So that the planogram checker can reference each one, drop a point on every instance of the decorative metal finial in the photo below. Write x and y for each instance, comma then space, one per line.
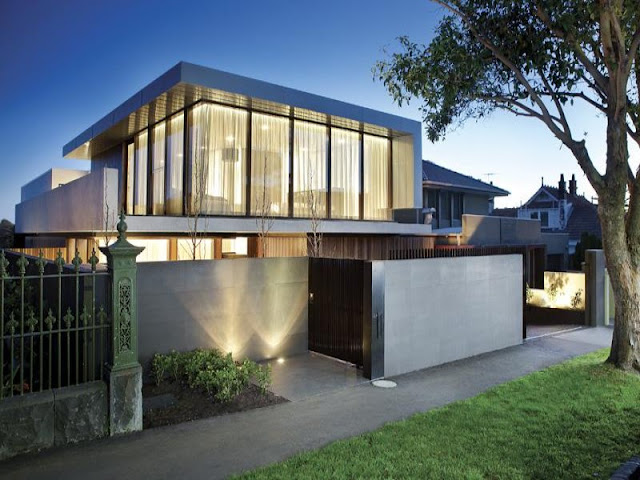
77, 261
59, 262
122, 226
93, 260
40, 262
22, 263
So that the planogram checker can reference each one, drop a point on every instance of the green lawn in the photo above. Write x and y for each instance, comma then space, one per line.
580, 419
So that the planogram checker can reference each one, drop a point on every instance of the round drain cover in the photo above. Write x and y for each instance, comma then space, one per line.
384, 384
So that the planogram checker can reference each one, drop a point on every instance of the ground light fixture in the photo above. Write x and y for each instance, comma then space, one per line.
382, 383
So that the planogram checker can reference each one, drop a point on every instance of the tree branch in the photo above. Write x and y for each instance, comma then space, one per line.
598, 77
578, 148
556, 101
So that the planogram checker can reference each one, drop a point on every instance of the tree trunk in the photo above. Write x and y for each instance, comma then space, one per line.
622, 252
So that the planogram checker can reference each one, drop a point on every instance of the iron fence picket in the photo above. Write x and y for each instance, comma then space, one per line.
33, 339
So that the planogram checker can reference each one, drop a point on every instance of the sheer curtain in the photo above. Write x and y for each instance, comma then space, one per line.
140, 205
402, 153
131, 165
269, 165
345, 173
376, 178
175, 164
309, 168
218, 163
157, 161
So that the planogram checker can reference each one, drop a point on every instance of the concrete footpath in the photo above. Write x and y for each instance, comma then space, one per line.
218, 447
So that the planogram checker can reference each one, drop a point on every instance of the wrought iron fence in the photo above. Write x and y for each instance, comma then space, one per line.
55, 321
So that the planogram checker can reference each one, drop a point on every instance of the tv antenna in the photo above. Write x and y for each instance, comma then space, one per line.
489, 175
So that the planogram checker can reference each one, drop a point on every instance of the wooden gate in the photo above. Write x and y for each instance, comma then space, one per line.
337, 307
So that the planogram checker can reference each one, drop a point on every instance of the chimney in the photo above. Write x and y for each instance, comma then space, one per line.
562, 186
573, 186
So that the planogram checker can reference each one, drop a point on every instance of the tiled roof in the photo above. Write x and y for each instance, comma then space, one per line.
584, 215
436, 175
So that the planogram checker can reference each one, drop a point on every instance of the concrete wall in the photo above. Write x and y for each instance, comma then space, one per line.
77, 206
254, 307
487, 230
49, 180
445, 309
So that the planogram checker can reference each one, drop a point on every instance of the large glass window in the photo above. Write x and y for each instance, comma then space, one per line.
140, 203
218, 160
376, 178
345, 173
157, 172
131, 164
309, 169
402, 161
269, 165
175, 164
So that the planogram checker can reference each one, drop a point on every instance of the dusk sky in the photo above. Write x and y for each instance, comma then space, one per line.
65, 64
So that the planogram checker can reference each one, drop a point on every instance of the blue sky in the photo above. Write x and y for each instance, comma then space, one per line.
65, 64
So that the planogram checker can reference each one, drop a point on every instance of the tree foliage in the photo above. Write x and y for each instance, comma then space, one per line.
536, 58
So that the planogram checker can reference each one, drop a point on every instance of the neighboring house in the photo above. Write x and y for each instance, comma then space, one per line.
560, 211
453, 194
237, 141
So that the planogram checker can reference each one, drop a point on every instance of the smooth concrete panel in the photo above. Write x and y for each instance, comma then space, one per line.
252, 307
488, 230
78, 206
445, 309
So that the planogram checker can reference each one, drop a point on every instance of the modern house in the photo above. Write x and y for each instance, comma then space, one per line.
453, 194
230, 150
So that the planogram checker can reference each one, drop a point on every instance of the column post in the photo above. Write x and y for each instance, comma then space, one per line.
125, 372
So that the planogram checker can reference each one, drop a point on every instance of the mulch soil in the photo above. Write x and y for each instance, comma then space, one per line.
193, 404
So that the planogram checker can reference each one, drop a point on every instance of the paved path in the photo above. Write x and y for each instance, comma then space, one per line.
217, 447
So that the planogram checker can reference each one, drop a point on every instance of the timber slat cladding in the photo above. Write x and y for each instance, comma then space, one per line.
336, 308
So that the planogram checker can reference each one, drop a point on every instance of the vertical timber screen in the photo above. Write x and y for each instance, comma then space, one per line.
54, 323
337, 307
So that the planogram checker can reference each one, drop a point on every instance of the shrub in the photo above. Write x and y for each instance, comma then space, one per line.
211, 371
159, 364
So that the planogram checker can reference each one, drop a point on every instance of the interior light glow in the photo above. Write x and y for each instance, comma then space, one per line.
264, 127
229, 138
280, 360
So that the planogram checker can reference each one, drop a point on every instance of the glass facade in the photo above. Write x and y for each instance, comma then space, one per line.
376, 178
310, 169
218, 139
269, 165
345, 174
175, 164
157, 172
241, 162
140, 188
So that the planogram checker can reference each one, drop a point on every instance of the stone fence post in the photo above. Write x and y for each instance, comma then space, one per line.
125, 372
594, 283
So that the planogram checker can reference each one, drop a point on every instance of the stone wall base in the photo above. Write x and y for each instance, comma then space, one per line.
125, 400
56, 417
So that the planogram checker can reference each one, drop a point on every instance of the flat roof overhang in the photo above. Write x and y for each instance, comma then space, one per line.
186, 84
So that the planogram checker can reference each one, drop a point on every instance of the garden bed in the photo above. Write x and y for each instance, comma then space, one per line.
193, 404
203, 383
